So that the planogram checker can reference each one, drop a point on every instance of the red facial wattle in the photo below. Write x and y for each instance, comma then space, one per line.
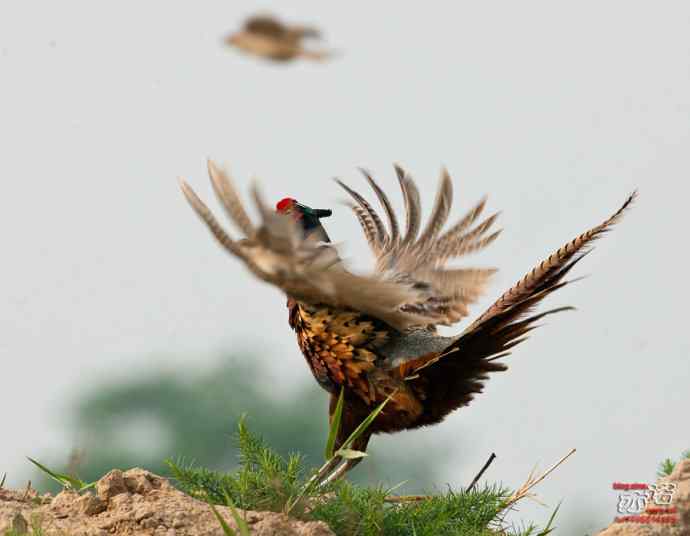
286, 205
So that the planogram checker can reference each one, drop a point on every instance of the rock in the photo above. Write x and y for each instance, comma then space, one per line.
179, 520
64, 500
140, 481
90, 505
122, 502
111, 485
142, 513
150, 522
112, 521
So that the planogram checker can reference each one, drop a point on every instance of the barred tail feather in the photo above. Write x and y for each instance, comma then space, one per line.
550, 267
451, 379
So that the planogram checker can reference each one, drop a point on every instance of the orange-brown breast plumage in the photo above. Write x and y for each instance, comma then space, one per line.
342, 348
339, 346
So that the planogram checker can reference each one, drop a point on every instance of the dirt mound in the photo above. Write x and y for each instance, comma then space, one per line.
134, 502
681, 500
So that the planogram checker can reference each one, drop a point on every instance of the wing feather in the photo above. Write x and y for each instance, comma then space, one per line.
228, 197
439, 215
420, 261
464, 223
381, 236
413, 206
367, 225
385, 202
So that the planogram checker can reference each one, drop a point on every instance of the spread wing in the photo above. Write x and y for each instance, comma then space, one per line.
276, 252
410, 289
418, 256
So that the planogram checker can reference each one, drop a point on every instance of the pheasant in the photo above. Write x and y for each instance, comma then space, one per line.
374, 335
267, 37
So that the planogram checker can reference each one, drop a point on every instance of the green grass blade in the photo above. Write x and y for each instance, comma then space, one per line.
344, 452
367, 422
64, 480
549, 529
335, 425
87, 486
2, 482
47, 471
241, 523
224, 524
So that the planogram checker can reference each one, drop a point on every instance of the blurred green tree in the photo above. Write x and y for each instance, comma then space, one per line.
144, 420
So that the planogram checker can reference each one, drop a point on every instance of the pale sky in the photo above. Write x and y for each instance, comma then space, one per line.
557, 110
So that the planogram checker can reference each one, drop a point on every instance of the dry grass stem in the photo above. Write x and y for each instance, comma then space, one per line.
524, 490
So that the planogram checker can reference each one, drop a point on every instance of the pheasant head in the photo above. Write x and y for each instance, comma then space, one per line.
309, 218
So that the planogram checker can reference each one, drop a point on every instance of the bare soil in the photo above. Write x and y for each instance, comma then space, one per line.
134, 502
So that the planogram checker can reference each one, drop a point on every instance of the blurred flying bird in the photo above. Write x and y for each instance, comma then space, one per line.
269, 38
375, 335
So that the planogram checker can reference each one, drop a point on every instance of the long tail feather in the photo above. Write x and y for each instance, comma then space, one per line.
451, 378
552, 265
